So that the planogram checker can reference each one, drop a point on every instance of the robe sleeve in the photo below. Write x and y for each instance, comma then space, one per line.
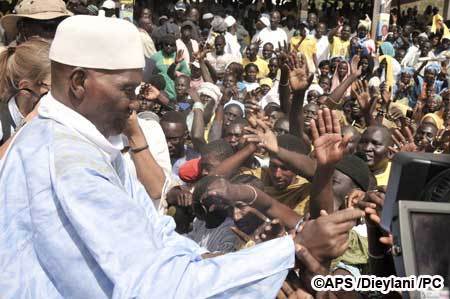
142, 255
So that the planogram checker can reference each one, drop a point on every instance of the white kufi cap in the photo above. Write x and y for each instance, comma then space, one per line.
230, 21
98, 43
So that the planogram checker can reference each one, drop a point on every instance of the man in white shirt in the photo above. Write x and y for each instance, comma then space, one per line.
274, 34
323, 45
232, 45
219, 59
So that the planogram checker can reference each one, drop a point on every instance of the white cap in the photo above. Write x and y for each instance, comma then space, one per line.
207, 16
109, 4
98, 43
230, 21
265, 20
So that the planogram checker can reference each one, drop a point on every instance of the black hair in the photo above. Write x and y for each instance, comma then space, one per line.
271, 107
174, 117
219, 148
324, 63
220, 36
250, 65
237, 69
202, 186
183, 76
248, 179
323, 77
385, 131
293, 143
281, 119
167, 39
234, 105
157, 81
240, 121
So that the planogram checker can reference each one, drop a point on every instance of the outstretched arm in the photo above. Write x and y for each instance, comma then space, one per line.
329, 146
303, 164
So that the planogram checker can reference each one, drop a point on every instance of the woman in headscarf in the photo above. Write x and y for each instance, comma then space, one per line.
403, 90
340, 74
389, 67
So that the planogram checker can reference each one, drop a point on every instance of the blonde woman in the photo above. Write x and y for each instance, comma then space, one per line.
24, 78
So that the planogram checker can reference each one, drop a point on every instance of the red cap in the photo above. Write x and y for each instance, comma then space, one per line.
190, 171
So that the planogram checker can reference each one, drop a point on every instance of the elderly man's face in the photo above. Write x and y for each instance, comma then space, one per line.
109, 98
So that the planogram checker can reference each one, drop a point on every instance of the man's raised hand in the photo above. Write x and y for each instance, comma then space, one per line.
329, 145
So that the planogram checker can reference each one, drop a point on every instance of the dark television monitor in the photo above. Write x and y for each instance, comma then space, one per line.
422, 237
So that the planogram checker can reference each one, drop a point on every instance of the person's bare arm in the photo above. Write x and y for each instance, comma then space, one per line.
299, 81
332, 33
149, 173
262, 202
330, 147
302, 164
198, 124
215, 133
230, 165
212, 71
284, 90
201, 55
380, 260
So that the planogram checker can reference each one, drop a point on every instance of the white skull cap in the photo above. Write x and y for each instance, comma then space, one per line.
98, 43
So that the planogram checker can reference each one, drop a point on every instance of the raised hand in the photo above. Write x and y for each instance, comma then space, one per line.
386, 93
372, 205
299, 78
149, 92
355, 68
132, 127
179, 57
269, 230
264, 137
327, 236
361, 92
203, 50
404, 141
329, 145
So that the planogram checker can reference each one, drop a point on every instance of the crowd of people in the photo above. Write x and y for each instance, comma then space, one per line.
208, 150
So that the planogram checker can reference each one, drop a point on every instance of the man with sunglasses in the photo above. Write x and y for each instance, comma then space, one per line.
34, 18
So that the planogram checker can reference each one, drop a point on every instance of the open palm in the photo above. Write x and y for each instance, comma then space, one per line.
299, 78
329, 145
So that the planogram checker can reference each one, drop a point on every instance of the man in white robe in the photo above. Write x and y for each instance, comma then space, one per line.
74, 223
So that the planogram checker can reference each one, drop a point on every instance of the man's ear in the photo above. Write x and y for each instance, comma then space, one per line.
77, 87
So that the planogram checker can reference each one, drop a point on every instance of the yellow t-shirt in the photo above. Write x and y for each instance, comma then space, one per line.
339, 47
383, 178
308, 47
262, 65
295, 196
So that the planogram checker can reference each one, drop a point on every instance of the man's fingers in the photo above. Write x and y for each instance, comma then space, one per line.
287, 289
321, 123
343, 227
314, 132
328, 121
346, 215
335, 122
375, 198
262, 124
241, 235
251, 130
305, 257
